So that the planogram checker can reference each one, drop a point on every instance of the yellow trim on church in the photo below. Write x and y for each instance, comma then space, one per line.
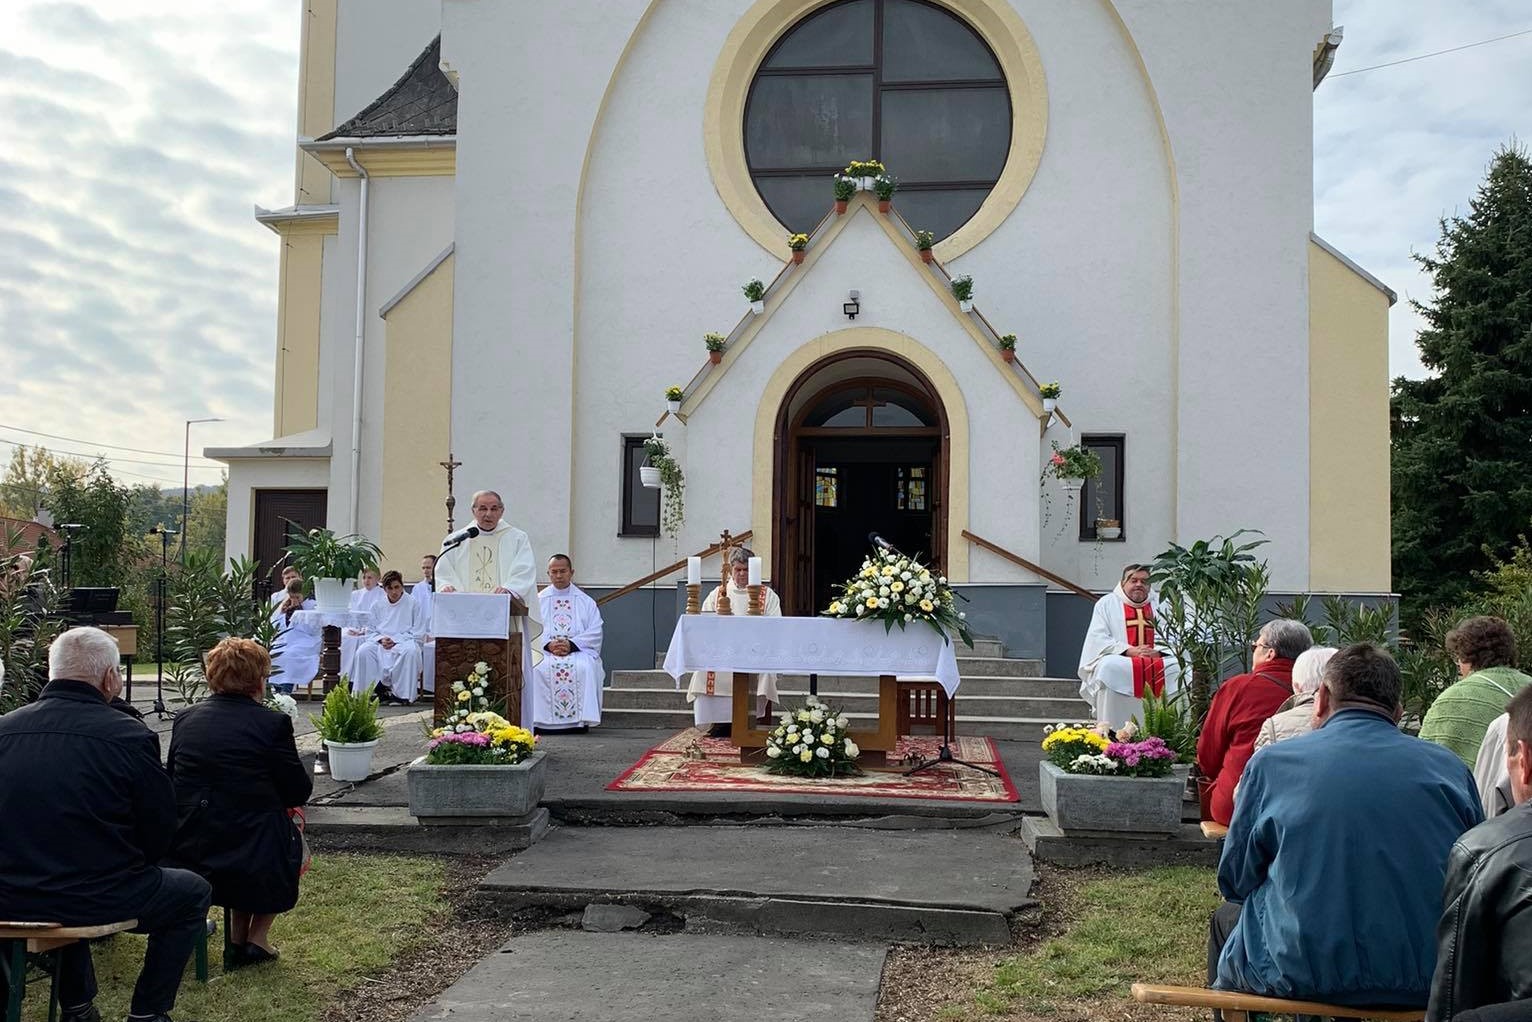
942, 381
768, 20
435, 157
417, 374
316, 97
1349, 505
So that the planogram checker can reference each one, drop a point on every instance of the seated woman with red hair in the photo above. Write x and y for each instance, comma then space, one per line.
237, 773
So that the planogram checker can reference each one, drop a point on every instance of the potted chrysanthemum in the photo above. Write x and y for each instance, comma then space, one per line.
845, 187
923, 242
797, 242
1092, 779
755, 294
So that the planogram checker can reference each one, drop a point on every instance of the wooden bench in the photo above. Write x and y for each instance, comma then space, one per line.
1216, 831
1237, 1005
18, 940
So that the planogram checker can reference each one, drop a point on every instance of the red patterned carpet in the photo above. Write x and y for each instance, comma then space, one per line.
674, 765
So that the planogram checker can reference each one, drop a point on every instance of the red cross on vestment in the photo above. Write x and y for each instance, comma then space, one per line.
1148, 671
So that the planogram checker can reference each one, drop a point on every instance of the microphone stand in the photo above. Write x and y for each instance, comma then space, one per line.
159, 619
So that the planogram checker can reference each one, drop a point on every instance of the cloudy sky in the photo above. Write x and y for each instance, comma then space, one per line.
136, 291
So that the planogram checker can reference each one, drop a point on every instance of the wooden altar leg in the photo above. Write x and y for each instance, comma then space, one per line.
329, 658
747, 734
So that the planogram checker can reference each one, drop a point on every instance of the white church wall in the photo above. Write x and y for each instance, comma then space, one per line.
375, 41
1233, 81
532, 78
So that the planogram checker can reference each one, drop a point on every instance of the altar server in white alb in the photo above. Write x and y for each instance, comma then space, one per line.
498, 560
295, 648
1120, 660
366, 598
711, 693
422, 591
389, 656
566, 686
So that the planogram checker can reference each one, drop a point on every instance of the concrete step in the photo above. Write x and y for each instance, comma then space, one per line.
1009, 667
830, 685
1029, 707
1015, 729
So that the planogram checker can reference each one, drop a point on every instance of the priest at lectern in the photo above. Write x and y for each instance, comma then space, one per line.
495, 558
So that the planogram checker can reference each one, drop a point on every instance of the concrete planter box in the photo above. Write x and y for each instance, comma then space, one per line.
459, 792
1087, 802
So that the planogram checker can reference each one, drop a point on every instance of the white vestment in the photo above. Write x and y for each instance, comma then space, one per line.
294, 649
711, 693
399, 667
1491, 773
364, 600
422, 593
566, 690
1106, 676
500, 559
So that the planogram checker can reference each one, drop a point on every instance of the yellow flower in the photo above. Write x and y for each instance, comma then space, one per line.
896, 586
464, 696
872, 602
888, 571
806, 755
927, 606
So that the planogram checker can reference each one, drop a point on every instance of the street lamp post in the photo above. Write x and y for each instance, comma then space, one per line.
186, 485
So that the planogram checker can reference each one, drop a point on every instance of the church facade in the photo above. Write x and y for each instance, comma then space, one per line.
514, 223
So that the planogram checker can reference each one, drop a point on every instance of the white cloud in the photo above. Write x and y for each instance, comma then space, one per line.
1397, 149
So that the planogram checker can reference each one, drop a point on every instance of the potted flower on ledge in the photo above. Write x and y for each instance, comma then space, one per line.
715, 345
865, 173
962, 290
845, 187
1050, 394
350, 729
1108, 528
1008, 347
755, 294
885, 185
1073, 465
923, 242
797, 242
332, 563
673, 397
1093, 780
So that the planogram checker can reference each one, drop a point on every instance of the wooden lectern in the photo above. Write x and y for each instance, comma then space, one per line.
474, 627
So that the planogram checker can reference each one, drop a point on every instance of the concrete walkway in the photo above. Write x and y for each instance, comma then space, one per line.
569, 975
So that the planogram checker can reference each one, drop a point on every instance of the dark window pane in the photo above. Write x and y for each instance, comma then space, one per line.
1101, 497
940, 211
898, 409
809, 121
837, 36
946, 134
924, 44
797, 202
641, 505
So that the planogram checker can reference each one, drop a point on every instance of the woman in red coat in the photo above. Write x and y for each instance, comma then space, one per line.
1241, 705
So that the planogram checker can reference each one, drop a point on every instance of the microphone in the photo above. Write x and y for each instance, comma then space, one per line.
881, 543
459, 537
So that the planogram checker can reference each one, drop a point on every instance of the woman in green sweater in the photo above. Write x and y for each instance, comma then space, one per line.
1485, 651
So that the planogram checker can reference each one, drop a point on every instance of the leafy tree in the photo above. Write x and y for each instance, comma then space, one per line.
28, 477
99, 553
1462, 439
209, 517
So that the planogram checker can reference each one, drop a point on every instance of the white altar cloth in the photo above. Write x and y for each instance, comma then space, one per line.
470, 615
809, 645
314, 620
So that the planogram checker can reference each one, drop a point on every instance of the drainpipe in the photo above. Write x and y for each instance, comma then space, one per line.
361, 329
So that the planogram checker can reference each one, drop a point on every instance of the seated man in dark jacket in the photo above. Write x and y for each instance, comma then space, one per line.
1484, 939
87, 811
1337, 850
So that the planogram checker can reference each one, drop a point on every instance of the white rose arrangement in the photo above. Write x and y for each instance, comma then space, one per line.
812, 742
899, 590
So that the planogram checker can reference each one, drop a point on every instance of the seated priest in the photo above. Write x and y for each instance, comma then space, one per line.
422, 591
497, 560
363, 598
566, 686
389, 657
1120, 661
294, 649
711, 693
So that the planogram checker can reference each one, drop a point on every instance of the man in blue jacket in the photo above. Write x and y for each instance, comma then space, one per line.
1335, 856
86, 810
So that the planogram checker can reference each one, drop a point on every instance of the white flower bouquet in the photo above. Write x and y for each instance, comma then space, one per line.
281, 702
899, 590
812, 742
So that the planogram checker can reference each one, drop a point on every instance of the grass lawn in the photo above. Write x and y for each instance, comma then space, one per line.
355, 914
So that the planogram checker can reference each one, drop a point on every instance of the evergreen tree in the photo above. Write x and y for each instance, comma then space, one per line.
1462, 439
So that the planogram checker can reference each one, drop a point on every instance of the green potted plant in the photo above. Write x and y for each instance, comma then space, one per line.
885, 185
673, 397
845, 187
755, 294
865, 172
797, 242
655, 450
962, 290
1074, 465
923, 242
715, 345
332, 563
350, 729
1008, 347
1050, 394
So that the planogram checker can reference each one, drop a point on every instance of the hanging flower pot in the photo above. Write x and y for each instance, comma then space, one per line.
1072, 483
649, 476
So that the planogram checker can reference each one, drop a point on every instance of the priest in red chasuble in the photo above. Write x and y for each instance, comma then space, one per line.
1121, 660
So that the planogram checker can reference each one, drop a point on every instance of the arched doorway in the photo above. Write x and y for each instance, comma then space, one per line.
861, 446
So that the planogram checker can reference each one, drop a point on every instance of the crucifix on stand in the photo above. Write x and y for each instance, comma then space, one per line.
725, 541
450, 465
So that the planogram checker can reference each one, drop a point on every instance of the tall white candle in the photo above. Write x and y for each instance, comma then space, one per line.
755, 571
694, 571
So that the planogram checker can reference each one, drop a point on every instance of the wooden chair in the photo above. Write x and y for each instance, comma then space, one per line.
925, 702
41, 942
1237, 1005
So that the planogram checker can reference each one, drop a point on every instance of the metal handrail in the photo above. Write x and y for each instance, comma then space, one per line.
1036, 569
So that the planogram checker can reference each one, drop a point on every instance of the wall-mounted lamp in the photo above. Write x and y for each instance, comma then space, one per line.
854, 306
